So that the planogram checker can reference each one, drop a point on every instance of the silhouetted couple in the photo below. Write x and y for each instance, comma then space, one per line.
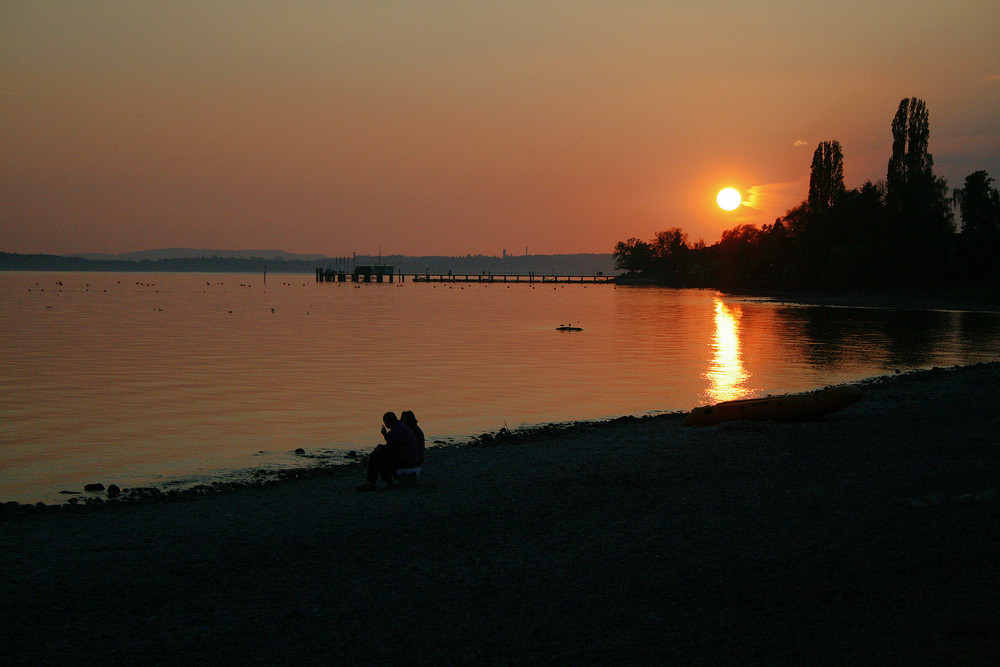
403, 449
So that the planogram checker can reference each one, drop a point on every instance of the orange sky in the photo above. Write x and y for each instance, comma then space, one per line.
461, 127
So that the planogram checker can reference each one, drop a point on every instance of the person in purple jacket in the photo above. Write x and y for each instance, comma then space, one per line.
399, 451
410, 420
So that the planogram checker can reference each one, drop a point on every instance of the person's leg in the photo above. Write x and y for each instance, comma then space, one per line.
377, 462
388, 470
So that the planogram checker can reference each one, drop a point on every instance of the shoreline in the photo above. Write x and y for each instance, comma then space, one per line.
112, 495
106, 497
867, 536
969, 299
976, 300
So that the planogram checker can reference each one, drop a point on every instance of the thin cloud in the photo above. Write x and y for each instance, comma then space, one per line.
992, 77
773, 199
800, 142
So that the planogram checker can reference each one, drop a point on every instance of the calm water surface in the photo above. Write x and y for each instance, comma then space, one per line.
169, 378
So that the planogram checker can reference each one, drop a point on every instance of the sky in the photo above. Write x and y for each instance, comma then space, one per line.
454, 128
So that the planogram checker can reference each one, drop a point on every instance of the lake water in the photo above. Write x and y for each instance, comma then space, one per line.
139, 379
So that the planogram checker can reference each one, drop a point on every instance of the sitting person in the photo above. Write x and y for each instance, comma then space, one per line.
410, 420
399, 451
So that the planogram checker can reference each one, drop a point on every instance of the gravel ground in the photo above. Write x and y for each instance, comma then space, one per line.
871, 536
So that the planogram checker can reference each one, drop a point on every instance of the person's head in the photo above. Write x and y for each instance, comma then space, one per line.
389, 419
408, 418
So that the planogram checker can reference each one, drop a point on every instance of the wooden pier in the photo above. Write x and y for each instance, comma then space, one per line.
508, 278
360, 274
378, 274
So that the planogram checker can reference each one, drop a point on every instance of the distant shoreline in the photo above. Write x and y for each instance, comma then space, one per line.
246, 262
977, 299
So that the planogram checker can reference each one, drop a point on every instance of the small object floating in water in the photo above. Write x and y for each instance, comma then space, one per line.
568, 327
790, 407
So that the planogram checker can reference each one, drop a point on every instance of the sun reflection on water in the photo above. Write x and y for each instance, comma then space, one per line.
726, 375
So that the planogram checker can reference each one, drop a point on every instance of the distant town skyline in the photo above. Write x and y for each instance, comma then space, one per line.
462, 128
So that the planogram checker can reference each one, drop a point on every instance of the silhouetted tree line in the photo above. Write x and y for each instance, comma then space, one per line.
897, 232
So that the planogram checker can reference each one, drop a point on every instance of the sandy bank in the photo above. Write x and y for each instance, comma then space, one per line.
866, 537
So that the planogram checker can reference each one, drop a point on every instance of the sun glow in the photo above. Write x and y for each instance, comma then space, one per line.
729, 199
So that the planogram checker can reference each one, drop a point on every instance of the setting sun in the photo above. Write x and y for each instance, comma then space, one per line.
728, 199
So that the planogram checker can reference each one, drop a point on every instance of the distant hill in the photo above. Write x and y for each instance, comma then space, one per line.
276, 261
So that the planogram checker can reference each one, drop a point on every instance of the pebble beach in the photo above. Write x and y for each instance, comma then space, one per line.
869, 536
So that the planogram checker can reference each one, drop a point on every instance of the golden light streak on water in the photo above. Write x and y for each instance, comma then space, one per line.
726, 374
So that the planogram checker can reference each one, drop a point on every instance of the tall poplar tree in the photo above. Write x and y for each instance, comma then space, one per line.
826, 179
920, 235
911, 166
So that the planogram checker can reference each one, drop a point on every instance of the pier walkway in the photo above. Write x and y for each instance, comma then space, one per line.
380, 274
508, 278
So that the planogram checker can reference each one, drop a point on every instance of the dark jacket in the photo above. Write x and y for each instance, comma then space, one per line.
420, 443
402, 443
